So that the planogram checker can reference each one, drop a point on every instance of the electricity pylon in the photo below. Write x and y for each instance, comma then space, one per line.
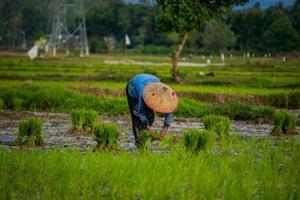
68, 31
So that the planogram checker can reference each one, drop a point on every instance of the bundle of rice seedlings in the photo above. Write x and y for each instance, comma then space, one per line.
83, 120
90, 119
195, 140
284, 123
17, 104
289, 125
106, 135
169, 141
145, 138
217, 124
30, 132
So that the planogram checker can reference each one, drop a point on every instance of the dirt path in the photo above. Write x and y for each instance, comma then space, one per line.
57, 125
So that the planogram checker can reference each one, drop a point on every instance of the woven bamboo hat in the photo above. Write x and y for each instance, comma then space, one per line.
160, 98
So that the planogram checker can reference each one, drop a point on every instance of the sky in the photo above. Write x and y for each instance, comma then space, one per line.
263, 3
267, 3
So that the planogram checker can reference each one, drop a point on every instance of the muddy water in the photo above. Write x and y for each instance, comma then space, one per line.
57, 125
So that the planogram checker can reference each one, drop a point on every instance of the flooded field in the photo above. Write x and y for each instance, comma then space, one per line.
56, 128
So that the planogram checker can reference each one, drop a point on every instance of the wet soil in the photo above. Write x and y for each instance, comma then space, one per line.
57, 126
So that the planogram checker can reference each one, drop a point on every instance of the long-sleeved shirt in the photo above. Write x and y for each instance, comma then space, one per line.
135, 89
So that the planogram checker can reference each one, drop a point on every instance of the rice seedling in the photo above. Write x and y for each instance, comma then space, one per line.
17, 104
284, 123
195, 140
253, 169
144, 139
30, 132
1, 104
83, 120
278, 122
170, 140
217, 124
106, 136
289, 125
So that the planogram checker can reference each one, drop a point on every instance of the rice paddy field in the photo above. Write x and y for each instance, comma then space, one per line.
255, 159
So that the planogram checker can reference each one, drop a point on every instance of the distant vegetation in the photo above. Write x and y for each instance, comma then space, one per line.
274, 30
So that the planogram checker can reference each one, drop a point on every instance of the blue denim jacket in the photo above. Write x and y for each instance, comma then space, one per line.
135, 89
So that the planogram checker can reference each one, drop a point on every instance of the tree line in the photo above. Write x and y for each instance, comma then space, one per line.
274, 30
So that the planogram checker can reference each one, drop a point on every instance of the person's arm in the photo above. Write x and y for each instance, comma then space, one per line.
141, 112
167, 123
168, 119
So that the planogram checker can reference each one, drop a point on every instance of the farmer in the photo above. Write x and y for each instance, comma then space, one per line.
146, 95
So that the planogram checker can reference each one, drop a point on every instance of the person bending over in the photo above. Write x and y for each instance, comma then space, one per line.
146, 95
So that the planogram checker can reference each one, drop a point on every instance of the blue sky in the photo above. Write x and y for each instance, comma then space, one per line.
264, 3
267, 3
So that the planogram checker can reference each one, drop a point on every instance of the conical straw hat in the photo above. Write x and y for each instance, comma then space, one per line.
160, 98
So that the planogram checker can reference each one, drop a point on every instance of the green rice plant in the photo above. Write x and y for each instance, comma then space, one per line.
217, 124
90, 119
195, 140
278, 122
144, 139
106, 136
289, 125
30, 132
1, 104
77, 119
83, 120
170, 140
284, 123
17, 104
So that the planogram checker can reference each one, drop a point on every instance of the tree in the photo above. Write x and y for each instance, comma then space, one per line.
217, 36
183, 16
281, 36
295, 16
249, 27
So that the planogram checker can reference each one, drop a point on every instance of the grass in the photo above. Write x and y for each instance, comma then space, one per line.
252, 169
30, 132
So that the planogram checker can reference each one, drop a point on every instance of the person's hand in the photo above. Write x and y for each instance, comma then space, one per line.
163, 133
